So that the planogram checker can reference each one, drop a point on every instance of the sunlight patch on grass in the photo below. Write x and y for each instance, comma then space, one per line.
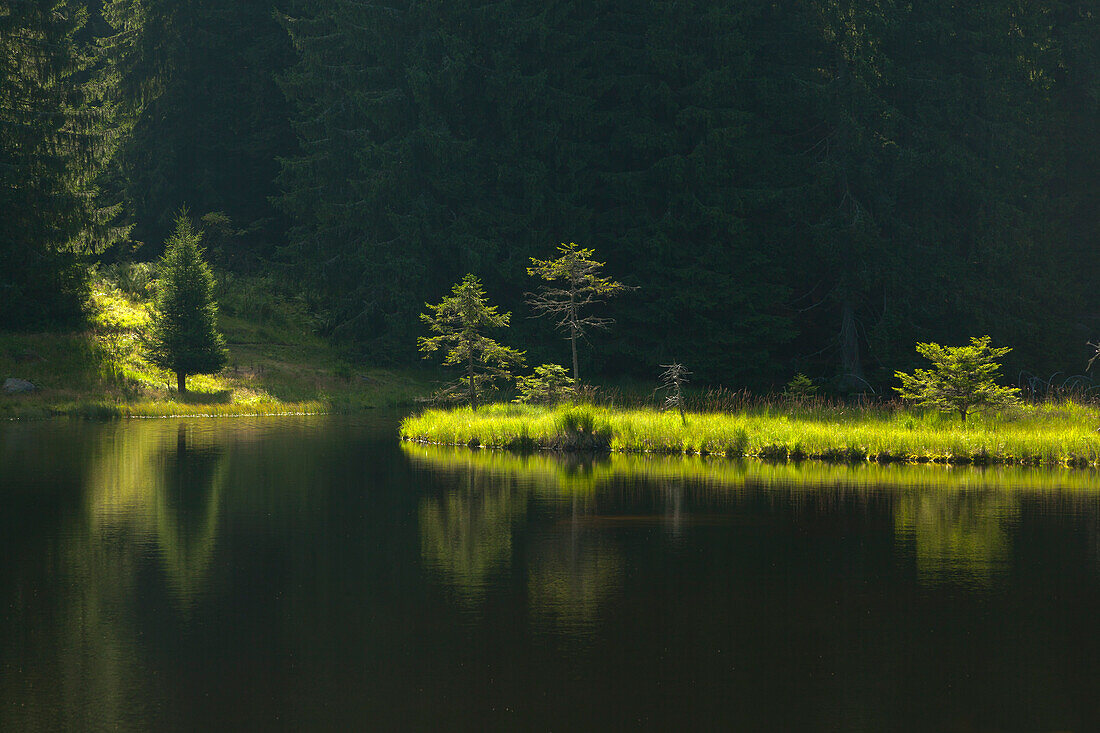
276, 367
1050, 434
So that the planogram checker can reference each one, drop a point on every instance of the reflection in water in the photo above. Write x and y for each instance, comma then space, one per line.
568, 474
957, 537
161, 487
149, 491
140, 544
96, 650
466, 535
571, 573
565, 473
955, 524
312, 574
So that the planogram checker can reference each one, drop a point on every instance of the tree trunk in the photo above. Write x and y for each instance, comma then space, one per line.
962, 413
181, 383
470, 377
576, 369
851, 377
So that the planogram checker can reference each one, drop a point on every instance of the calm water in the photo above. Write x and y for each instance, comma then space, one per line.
313, 573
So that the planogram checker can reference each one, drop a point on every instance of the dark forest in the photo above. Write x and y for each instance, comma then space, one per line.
806, 186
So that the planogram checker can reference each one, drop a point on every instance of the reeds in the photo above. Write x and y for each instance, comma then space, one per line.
1048, 434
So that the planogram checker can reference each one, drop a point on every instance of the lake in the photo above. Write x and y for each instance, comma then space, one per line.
313, 573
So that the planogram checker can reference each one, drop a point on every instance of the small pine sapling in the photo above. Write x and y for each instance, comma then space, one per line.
960, 380
550, 384
800, 388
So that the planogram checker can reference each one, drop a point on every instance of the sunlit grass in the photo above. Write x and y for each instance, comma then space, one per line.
276, 367
1048, 434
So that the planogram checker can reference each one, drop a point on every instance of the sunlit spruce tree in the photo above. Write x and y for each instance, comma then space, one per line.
185, 338
960, 380
459, 322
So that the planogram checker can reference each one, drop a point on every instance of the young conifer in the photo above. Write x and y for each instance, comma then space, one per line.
960, 380
185, 338
459, 323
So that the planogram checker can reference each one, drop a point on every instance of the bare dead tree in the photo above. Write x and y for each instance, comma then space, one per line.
673, 379
573, 285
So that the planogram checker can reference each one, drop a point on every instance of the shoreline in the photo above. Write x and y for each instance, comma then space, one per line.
277, 366
777, 457
1042, 435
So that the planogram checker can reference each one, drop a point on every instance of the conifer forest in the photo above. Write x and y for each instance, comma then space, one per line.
802, 186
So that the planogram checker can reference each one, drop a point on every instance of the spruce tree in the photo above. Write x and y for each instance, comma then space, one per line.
960, 380
185, 338
57, 134
458, 322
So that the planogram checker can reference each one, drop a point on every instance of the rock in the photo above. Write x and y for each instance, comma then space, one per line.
18, 386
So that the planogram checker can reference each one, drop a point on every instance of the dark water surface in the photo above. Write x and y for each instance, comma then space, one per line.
313, 573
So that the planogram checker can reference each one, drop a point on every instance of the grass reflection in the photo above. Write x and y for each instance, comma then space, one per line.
959, 537
954, 524
568, 475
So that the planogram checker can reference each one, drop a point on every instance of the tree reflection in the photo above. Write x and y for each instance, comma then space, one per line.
571, 574
957, 524
151, 488
957, 537
162, 485
187, 508
466, 534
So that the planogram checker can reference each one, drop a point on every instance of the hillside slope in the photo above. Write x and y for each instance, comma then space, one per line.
276, 364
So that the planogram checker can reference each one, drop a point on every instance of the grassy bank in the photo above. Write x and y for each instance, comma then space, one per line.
276, 364
1050, 434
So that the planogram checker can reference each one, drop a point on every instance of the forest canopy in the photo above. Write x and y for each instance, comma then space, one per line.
803, 187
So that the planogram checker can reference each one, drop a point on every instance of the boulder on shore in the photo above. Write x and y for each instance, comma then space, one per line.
12, 385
